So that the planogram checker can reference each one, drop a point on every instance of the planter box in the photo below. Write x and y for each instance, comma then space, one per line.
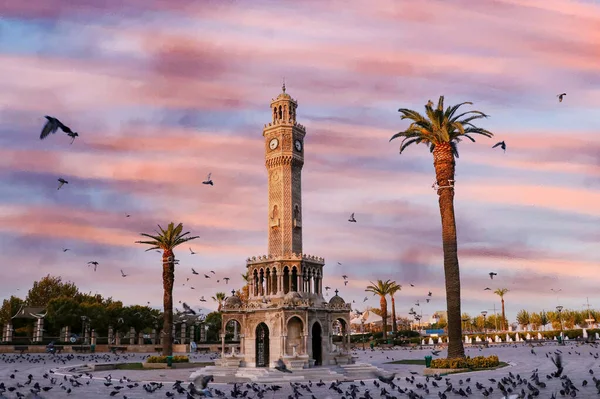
155, 365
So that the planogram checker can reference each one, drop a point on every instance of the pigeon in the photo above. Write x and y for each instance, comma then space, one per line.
53, 125
208, 180
492, 274
387, 380
352, 219
123, 274
560, 97
62, 182
93, 263
206, 276
193, 271
226, 280
280, 366
429, 293
501, 144
187, 309
192, 252
66, 249
487, 289
202, 299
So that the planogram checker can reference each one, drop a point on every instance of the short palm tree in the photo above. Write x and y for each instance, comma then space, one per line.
219, 298
381, 288
441, 130
501, 292
394, 287
167, 240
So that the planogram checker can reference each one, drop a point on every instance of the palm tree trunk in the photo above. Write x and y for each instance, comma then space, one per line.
394, 325
168, 282
383, 306
443, 161
504, 322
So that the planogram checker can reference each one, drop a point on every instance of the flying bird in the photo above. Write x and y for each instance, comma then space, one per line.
62, 182
226, 280
202, 299
352, 219
208, 180
280, 365
193, 271
188, 309
429, 293
206, 276
501, 144
123, 274
492, 274
487, 289
93, 263
66, 249
53, 125
192, 252
213, 272
560, 97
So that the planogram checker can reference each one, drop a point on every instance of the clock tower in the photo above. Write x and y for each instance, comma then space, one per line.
284, 155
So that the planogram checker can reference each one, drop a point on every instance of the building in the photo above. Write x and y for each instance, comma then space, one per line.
286, 316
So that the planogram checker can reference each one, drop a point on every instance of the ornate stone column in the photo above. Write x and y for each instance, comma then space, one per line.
222, 345
140, 338
280, 283
93, 337
192, 331
173, 336
117, 338
39, 328
67, 333
284, 344
110, 335
86, 334
242, 344
153, 336
305, 344
9, 332
131, 336
183, 336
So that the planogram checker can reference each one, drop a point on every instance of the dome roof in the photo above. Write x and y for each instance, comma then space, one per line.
233, 301
337, 301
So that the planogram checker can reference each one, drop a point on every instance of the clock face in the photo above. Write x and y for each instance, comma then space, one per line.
298, 145
273, 144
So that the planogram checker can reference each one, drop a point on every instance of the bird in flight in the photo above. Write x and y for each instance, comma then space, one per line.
62, 182
487, 289
192, 252
226, 280
352, 219
427, 300
327, 288
429, 293
202, 299
412, 285
213, 272
193, 271
208, 180
66, 249
53, 125
187, 308
560, 97
501, 144
127, 216
206, 276
123, 274
492, 274
94, 263
366, 299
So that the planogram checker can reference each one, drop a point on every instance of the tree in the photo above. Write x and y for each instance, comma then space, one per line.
213, 320
544, 319
501, 292
535, 320
394, 287
47, 288
9, 308
167, 240
523, 318
219, 298
441, 131
382, 288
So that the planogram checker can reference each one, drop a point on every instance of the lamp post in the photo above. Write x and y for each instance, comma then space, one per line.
484, 314
559, 310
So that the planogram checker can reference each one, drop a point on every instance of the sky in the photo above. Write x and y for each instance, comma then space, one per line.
163, 92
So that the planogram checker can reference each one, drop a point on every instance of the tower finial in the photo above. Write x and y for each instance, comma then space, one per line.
283, 86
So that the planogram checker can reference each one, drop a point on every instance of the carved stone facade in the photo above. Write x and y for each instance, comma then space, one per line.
286, 316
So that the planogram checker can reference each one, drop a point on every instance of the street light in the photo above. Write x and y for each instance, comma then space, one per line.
559, 310
484, 314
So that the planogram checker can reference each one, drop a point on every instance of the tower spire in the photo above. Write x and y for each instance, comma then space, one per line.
283, 86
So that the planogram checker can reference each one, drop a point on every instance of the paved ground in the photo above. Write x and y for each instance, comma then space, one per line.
577, 361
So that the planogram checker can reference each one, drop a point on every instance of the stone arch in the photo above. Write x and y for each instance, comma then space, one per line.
295, 331
255, 282
280, 112
345, 332
294, 279
286, 279
274, 114
232, 328
262, 344
316, 338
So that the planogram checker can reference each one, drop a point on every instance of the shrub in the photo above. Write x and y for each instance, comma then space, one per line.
479, 362
163, 359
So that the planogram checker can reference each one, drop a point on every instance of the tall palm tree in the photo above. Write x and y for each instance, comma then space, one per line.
394, 287
167, 240
500, 292
441, 130
382, 288
219, 298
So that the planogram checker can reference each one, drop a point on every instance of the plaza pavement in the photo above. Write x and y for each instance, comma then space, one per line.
577, 361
